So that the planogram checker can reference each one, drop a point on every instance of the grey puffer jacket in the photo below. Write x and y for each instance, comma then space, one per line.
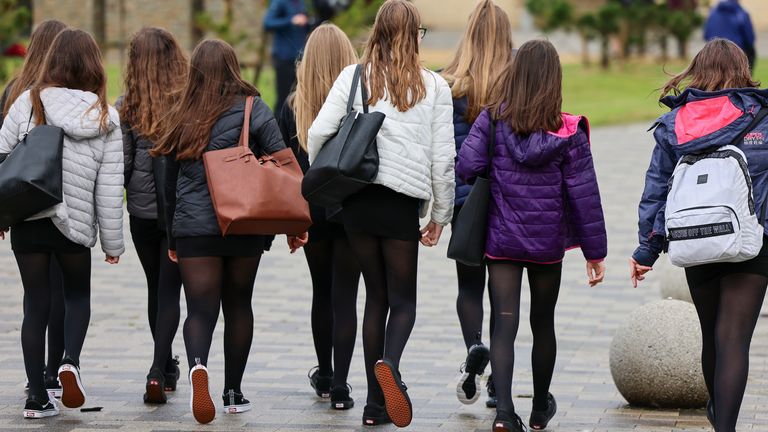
92, 162
188, 207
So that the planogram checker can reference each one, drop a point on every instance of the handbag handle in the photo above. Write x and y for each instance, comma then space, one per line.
245, 133
358, 80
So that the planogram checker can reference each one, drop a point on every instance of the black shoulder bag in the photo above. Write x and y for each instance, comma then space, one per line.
350, 160
468, 237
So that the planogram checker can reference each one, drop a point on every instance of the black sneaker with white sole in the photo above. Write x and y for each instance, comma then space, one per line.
37, 408
340, 399
53, 386
491, 388
468, 388
72, 392
320, 382
235, 403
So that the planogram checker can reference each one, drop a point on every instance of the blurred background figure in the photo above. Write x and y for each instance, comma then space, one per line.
289, 21
729, 20
327, 9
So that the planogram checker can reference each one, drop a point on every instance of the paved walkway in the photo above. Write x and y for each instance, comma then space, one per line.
117, 350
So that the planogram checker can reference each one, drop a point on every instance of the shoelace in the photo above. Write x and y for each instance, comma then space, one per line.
519, 421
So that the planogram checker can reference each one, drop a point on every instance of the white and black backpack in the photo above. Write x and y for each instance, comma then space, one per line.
710, 214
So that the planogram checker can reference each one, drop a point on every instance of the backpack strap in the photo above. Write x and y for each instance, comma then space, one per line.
752, 125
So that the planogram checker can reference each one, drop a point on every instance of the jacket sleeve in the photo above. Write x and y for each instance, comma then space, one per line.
652, 231
748, 32
264, 130
109, 196
443, 156
17, 117
129, 145
583, 196
276, 17
172, 167
332, 113
473, 154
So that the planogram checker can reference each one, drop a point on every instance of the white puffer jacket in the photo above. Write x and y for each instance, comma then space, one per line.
416, 148
92, 161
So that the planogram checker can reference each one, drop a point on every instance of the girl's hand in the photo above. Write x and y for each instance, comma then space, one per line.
595, 272
430, 234
297, 242
172, 256
112, 260
2, 233
637, 272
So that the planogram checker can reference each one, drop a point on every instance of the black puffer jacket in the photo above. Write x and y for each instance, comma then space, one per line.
140, 169
188, 200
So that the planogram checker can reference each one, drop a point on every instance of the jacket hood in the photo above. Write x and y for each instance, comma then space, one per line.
540, 147
728, 6
74, 112
700, 121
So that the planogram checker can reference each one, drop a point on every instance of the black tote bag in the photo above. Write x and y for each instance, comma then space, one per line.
31, 175
350, 160
468, 238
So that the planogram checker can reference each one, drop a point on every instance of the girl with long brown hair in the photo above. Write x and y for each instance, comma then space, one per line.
70, 93
713, 102
332, 264
39, 42
217, 271
416, 152
484, 53
541, 160
154, 80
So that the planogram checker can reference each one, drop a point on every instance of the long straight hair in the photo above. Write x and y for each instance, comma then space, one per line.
73, 62
213, 86
529, 97
154, 80
41, 39
327, 52
391, 56
721, 64
484, 51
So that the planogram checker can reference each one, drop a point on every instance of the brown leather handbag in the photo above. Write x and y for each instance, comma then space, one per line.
256, 195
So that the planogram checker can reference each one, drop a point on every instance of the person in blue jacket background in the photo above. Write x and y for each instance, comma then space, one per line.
728, 20
288, 20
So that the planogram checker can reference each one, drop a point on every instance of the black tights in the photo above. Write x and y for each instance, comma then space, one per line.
505, 286
469, 304
728, 310
163, 292
55, 321
389, 269
335, 278
210, 283
36, 278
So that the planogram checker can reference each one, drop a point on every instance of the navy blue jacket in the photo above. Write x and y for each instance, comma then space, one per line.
728, 20
700, 121
461, 131
289, 39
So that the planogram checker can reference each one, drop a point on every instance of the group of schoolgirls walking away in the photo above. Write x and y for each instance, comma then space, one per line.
491, 119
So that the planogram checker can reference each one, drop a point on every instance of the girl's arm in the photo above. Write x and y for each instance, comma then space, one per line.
266, 137
328, 121
109, 196
17, 118
473, 155
443, 156
172, 167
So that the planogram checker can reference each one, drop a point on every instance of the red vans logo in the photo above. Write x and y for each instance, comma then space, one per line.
754, 138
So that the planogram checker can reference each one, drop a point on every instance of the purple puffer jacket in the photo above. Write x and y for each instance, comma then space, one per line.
544, 194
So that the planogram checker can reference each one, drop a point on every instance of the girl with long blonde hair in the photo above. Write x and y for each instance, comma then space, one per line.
416, 152
154, 80
484, 54
332, 264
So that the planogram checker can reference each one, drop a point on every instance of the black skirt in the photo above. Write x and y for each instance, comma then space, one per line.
42, 236
218, 246
703, 274
378, 210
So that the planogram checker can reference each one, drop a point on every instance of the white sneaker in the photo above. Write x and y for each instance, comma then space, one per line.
72, 392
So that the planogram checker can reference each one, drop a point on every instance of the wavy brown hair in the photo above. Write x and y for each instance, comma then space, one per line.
39, 42
73, 62
154, 80
391, 56
327, 52
529, 97
721, 64
213, 86
484, 51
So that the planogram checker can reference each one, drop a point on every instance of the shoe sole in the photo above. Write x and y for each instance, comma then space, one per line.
236, 409
500, 427
36, 414
371, 421
343, 405
72, 393
467, 382
396, 400
203, 408
155, 394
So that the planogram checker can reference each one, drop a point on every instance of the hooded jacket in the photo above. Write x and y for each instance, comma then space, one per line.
728, 20
460, 131
544, 193
92, 163
700, 122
